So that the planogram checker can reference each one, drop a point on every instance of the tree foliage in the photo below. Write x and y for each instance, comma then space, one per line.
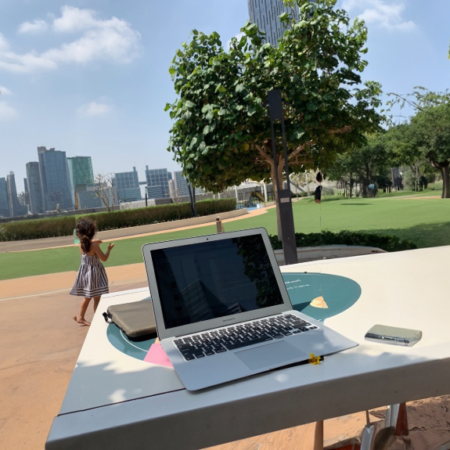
221, 129
427, 135
366, 164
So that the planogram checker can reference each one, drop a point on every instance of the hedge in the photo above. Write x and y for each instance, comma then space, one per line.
37, 229
156, 214
388, 243
64, 226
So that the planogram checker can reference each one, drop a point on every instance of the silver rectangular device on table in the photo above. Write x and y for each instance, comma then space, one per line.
223, 312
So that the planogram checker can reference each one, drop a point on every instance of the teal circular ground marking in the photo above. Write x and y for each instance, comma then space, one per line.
339, 293
119, 340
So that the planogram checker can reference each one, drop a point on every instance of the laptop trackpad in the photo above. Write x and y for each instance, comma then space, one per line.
271, 355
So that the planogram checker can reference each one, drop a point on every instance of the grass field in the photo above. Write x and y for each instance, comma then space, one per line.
426, 222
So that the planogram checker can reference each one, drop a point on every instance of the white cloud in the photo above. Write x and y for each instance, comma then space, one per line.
75, 19
94, 109
33, 27
108, 40
4, 46
7, 112
5, 91
379, 12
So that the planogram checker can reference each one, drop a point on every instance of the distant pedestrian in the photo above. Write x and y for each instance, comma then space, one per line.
91, 281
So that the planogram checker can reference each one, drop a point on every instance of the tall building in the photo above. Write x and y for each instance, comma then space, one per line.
55, 181
4, 205
127, 186
158, 182
81, 174
24, 197
15, 208
265, 13
181, 185
34, 188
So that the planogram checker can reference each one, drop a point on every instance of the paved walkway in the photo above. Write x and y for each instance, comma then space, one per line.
57, 283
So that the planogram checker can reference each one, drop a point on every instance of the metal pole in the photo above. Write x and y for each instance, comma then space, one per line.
286, 162
192, 201
284, 195
275, 163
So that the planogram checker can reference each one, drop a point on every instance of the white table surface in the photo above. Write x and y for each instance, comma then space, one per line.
120, 402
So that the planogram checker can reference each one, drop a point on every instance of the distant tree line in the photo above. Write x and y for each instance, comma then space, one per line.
412, 154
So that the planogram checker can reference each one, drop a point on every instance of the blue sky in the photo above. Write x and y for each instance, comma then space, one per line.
91, 77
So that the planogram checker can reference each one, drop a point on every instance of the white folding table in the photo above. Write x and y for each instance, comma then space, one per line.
115, 401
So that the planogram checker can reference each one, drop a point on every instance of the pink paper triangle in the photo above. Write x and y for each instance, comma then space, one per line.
156, 355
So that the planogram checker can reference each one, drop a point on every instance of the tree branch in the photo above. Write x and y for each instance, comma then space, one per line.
299, 149
264, 154
344, 130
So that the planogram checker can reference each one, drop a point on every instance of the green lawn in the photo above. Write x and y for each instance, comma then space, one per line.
425, 222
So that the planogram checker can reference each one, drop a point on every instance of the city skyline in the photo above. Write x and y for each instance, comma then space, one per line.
60, 182
106, 101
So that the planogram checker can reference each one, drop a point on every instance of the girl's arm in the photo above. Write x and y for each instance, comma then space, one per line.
99, 253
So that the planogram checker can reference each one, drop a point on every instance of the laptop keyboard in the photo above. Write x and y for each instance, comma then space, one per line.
242, 335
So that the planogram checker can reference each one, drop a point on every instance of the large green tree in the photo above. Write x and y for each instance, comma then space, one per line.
427, 135
366, 164
221, 131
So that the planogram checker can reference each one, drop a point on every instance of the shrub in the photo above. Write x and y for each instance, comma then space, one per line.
37, 229
388, 243
156, 214
64, 226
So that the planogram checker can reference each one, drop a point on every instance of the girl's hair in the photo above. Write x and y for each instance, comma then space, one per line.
86, 230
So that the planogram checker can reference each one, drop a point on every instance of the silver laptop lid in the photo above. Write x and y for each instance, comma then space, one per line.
207, 282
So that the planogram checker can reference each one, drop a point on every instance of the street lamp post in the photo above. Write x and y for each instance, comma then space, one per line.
284, 195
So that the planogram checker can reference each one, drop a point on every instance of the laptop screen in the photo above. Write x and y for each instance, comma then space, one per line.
214, 279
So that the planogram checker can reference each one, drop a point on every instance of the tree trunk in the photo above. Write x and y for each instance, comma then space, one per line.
445, 181
275, 192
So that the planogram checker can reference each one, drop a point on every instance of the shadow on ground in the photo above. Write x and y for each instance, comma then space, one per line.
423, 235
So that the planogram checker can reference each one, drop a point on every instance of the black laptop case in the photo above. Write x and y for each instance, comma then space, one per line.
136, 319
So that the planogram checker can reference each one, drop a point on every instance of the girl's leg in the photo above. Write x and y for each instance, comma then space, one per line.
83, 308
96, 302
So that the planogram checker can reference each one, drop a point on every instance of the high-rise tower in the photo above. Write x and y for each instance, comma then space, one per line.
15, 208
158, 182
127, 185
4, 205
55, 180
181, 185
34, 188
265, 14
81, 174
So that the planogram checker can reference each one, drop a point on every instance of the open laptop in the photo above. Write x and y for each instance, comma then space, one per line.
223, 312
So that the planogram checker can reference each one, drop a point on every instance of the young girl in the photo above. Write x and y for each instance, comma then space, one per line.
91, 281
